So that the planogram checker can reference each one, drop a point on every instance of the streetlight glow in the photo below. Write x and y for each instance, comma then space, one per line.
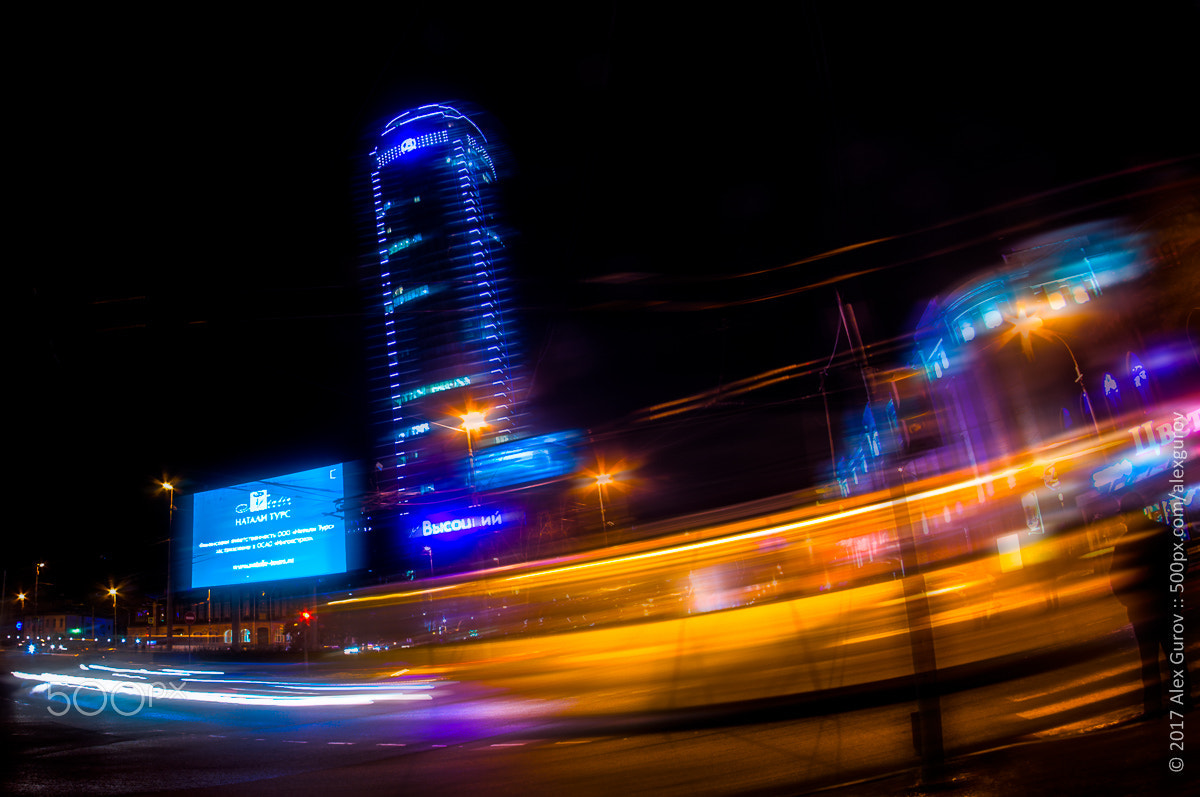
603, 479
1027, 325
112, 591
170, 488
473, 421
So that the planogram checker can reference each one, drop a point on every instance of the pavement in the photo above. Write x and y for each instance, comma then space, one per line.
1125, 755
1131, 757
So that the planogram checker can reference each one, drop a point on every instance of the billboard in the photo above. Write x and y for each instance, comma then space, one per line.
535, 459
284, 527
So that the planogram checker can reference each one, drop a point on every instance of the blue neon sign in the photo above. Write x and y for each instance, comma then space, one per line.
462, 522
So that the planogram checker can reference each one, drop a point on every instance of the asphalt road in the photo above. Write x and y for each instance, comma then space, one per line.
468, 739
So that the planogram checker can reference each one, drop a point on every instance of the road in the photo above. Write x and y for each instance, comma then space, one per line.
727, 659
471, 739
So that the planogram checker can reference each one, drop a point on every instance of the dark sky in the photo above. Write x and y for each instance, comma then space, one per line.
189, 256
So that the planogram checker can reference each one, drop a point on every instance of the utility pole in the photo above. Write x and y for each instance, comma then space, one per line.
927, 720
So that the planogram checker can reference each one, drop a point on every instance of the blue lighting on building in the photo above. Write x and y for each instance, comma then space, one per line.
535, 459
445, 347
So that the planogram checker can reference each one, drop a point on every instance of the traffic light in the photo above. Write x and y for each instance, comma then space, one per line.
305, 616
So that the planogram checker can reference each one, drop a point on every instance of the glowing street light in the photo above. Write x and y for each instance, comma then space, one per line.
602, 480
1027, 325
472, 421
112, 591
170, 488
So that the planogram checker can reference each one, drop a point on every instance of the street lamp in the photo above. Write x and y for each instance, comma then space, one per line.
472, 421
1026, 325
170, 488
602, 480
21, 626
37, 616
113, 592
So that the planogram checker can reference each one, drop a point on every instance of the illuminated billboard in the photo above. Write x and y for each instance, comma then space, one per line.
285, 527
453, 524
536, 459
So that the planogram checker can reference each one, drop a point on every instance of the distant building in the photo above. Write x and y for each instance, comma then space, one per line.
64, 627
1052, 344
444, 346
1060, 342
262, 617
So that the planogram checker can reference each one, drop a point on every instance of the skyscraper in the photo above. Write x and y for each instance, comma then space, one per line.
444, 348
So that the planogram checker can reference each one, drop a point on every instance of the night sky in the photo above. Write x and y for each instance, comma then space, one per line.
189, 228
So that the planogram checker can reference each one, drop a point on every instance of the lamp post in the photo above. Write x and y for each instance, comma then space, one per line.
21, 598
37, 616
1079, 380
113, 592
601, 481
472, 421
1025, 325
170, 488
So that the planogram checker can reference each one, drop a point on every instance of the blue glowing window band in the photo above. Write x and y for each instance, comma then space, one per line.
399, 297
403, 243
425, 390
417, 429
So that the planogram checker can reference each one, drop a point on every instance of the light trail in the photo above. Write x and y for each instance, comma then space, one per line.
362, 696
731, 539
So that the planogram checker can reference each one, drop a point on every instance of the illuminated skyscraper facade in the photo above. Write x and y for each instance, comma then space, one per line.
444, 349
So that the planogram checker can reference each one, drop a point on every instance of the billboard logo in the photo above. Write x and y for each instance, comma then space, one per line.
259, 500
